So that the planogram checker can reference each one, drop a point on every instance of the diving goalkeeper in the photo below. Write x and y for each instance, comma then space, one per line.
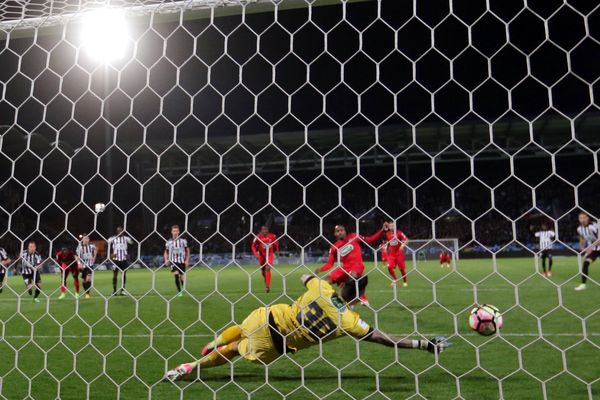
319, 315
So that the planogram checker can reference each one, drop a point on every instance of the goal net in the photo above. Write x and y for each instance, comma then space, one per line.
427, 249
471, 125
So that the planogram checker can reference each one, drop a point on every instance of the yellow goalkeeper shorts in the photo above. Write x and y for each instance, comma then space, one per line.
256, 344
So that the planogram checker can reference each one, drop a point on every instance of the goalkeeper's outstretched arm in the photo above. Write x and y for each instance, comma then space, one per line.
434, 345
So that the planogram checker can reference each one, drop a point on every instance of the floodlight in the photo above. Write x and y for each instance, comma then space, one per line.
105, 34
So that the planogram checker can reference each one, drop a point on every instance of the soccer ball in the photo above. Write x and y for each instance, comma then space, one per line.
99, 207
485, 319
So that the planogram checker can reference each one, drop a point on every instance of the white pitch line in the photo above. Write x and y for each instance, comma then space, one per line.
563, 334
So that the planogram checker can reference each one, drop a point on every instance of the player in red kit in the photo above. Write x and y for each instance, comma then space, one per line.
347, 252
264, 246
384, 252
395, 240
66, 260
444, 259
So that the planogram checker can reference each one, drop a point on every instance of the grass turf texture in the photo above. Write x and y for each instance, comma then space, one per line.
121, 347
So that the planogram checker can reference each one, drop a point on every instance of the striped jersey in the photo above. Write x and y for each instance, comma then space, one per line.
176, 249
546, 239
118, 247
86, 254
3, 254
29, 261
589, 234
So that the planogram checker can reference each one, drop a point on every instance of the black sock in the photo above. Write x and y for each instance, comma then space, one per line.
124, 278
550, 264
114, 283
86, 287
544, 263
37, 293
29, 291
178, 283
584, 272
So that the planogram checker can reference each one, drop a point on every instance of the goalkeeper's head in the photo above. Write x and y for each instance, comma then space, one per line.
354, 288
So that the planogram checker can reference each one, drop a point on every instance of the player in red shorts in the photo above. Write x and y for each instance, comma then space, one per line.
66, 260
264, 246
444, 259
396, 240
347, 252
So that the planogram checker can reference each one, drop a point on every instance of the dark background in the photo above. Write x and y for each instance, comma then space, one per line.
471, 123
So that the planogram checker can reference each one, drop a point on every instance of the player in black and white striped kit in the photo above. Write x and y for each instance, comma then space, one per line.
589, 243
4, 264
31, 263
86, 259
546, 237
117, 248
177, 255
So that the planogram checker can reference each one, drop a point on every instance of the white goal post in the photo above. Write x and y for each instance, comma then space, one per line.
429, 249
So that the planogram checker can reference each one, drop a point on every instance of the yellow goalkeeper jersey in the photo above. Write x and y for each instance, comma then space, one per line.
317, 315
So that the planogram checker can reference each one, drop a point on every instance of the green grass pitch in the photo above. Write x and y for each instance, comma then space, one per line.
121, 348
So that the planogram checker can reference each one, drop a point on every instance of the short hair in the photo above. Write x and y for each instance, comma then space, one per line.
175, 226
354, 288
30, 241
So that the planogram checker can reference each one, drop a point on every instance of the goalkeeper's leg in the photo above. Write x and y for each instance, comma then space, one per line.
215, 358
229, 335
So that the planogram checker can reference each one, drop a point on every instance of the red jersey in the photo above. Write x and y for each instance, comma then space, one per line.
65, 257
444, 257
349, 253
394, 243
262, 243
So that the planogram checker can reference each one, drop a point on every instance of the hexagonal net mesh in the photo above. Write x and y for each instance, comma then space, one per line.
469, 126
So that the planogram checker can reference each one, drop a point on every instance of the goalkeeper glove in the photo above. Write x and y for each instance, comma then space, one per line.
435, 345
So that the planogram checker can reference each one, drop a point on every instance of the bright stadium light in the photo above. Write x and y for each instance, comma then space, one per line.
105, 34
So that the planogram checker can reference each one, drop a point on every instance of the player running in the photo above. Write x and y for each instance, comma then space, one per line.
319, 315
445, 259
4, 264
118, 250
86, 259
546, 237
31, 263
177, 255
347, 252
396, 240
589, 243
66, 260
264, 245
